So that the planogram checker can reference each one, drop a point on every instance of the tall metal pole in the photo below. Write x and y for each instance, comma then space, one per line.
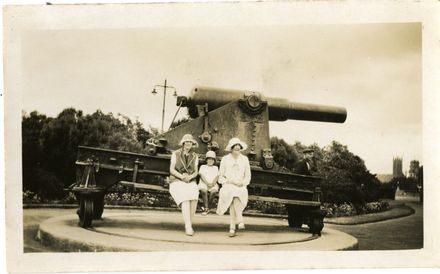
163, 107
165, 87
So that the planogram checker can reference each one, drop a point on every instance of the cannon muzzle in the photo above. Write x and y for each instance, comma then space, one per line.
280, 109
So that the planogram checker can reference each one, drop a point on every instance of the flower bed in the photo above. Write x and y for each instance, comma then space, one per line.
142, 199
30, 197
124, 196
348, 209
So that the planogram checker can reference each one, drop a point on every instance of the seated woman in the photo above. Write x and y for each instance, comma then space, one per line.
183, 187
234, 175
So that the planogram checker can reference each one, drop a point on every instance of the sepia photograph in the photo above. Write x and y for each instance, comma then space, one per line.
139, 134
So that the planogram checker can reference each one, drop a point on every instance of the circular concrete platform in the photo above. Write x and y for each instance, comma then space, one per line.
164, 231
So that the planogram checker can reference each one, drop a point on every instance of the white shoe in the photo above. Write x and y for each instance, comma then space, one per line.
232, 233
189, 231
241, 226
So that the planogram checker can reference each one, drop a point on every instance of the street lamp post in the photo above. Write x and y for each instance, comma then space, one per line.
165, 87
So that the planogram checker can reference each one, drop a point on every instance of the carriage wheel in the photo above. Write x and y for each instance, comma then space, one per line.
86, 211
295, 217
316, 225
98, 206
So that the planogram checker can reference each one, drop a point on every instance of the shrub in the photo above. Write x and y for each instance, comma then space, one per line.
31, 197
385, 205
374, 207
348, 209
266, 207
387, 191
44, 183
340, 210
142, 199
70, 198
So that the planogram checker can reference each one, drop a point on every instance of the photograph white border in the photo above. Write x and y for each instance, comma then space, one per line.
20, 18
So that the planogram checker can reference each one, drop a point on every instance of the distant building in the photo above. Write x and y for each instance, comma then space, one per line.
414, 168
397, 167
384, 178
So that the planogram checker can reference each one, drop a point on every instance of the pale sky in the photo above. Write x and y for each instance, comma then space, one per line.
373, 70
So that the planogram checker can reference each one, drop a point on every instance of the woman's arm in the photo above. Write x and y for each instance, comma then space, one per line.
247, 172
196, 169
173, 170
215, 180
221, 174
244, 163
203, 179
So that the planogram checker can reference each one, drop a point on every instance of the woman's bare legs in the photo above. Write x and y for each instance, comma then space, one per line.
211, 198
238, 212
193, 206
232, 220
186, 214
205, 198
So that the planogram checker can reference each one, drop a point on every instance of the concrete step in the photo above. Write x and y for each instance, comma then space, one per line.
164, 231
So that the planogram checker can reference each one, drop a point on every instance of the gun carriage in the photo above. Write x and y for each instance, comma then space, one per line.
218, 115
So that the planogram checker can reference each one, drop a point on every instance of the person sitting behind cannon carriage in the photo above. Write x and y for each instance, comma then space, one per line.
304, 165
208, 181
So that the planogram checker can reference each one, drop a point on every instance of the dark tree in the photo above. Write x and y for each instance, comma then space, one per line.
36, 177
50, 145
31, 127
346, 177
180, 121
142, 135
59, 139
283, 154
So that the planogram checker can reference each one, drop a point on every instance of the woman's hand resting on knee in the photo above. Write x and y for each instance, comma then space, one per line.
236, 182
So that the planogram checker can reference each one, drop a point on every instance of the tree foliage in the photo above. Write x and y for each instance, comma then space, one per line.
284, 155
420, 177
31, 129
406, 183
346, 178
50, 145
180, 121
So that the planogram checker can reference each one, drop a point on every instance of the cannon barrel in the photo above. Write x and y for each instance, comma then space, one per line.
280, 109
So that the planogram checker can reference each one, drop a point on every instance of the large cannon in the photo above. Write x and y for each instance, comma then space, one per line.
218, 115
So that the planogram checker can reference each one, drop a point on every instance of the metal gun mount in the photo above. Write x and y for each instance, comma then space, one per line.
218, 115
221, 114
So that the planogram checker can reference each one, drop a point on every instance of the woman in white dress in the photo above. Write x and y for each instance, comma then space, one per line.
234, 176
183, 186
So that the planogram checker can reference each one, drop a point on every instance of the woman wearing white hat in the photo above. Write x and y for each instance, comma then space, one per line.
183, 187
234, 175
